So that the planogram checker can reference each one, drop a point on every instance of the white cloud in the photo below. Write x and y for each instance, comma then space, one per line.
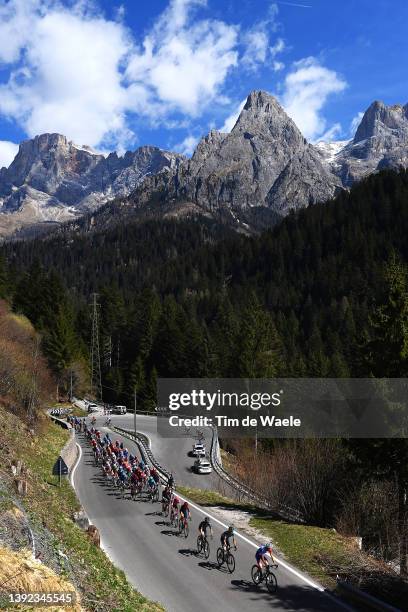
187, 146
278, 66
184, 63
305, 93
70, 79
331, 134
256, 41
278, 47
74, 71
8, 151
232, 119
355, 123
15, 22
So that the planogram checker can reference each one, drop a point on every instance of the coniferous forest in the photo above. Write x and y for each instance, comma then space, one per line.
190, 298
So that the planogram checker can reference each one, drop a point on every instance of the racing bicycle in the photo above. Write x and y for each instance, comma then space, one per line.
267, 575
183, 527
226, 556
203, 546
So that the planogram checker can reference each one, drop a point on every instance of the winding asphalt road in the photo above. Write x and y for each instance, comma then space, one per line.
163, 565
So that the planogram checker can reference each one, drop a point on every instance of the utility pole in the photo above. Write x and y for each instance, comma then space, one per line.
70, 395
95, 358
135, 405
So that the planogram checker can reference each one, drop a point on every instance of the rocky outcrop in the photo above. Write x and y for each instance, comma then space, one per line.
248, 178
52, 180
381, 141
263, 163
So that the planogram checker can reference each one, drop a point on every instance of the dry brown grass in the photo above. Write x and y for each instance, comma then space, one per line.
20, 572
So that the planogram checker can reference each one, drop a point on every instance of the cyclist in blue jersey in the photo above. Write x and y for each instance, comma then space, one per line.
151, 483
261, 558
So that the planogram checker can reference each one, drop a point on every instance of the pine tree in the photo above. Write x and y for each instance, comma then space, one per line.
386, 356
259, 352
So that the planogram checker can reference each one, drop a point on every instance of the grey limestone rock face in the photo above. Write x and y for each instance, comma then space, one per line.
249, 178
53, 180
263, 162
381, 141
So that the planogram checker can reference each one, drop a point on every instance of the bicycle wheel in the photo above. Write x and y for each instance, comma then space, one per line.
186, 529
256, 575
230, 563
206, 549
220, 556
199, 544
271, 582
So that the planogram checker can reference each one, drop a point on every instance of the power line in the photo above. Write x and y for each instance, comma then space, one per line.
95, 358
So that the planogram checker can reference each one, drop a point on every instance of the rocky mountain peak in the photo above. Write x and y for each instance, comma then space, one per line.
259, 99
53, 180
379, 117
264, 117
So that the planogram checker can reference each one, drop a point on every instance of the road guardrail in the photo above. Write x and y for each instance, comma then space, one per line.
143, 442
284, 511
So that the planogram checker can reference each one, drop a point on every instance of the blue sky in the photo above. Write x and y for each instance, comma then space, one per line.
164, 72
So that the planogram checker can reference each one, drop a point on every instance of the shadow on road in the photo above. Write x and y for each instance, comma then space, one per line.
208, 565
169, 532
187, 552
246, 585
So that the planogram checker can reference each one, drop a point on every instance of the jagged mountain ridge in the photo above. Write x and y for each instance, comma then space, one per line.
53, 180
248, 178
381, 141
264, 167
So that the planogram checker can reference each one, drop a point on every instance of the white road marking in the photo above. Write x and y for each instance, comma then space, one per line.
71, 477
244, 538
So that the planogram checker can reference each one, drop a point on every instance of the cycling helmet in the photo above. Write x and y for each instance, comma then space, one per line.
207, 519
269, 546
231, 529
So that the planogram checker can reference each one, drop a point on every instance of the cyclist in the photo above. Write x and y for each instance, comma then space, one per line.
226, 536
185, 512
154, 474
170, 481
174, 507
151, 483
166, 497
261, 558
203, 526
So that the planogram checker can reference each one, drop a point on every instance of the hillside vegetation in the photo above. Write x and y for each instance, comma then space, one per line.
40, 519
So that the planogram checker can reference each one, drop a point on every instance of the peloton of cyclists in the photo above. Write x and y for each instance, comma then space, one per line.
123, 468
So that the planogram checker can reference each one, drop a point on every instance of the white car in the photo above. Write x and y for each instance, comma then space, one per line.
92, 407
198, 450
202, 466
